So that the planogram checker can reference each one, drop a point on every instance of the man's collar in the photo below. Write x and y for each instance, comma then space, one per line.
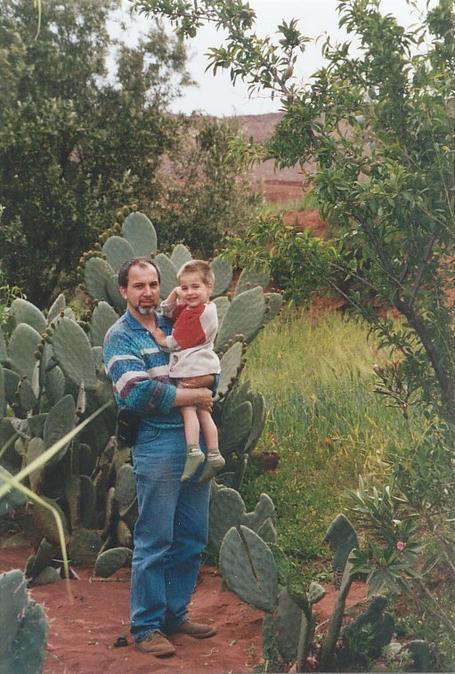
136, 325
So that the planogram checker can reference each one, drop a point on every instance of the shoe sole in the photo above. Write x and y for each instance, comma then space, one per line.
164, 654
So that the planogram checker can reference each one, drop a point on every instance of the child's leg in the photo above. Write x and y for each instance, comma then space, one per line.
214, 461
194, 456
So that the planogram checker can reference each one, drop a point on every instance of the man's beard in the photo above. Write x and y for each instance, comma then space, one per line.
144, 311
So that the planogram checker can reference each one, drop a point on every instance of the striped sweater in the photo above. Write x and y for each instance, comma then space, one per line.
139, 371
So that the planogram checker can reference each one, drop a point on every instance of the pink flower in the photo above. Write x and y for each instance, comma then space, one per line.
400, 546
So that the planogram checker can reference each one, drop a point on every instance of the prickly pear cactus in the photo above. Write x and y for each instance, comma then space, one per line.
227, 509
23, 625
339, 546
364, 638
112, 560
248, 567
342, 538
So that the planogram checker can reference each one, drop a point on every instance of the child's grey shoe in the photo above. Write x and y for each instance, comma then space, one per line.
194, 458
214, 463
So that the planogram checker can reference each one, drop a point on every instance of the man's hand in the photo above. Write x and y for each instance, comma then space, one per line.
200, 397
205, 401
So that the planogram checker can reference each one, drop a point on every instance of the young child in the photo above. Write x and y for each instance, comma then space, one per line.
193, 362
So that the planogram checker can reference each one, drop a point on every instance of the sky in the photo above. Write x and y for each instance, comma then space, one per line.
215, 95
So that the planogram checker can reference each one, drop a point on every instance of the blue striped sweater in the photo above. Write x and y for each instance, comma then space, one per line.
139, 371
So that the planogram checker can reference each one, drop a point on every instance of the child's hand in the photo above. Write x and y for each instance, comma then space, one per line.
159, 336
178, 294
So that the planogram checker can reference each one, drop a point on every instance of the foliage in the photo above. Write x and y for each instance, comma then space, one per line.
298, 261
7, 295
75, 145
205, 187
378, 123
404, 544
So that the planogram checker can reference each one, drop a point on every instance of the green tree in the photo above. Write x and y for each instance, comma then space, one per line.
378, 120
75, 144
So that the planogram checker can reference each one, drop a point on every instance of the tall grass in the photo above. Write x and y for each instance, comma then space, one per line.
324, 420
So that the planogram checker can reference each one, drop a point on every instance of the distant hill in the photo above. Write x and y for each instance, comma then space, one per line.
279, 186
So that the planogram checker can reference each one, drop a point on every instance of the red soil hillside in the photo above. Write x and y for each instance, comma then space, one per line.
279, 186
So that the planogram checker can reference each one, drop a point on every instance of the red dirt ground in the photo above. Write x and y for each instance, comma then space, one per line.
82, 633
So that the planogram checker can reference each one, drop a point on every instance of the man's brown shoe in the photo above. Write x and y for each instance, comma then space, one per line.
196, 630
156, 644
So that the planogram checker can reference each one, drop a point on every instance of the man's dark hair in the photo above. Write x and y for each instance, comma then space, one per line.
124, 270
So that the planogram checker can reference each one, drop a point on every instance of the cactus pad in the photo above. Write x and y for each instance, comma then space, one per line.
114, 296
342, 538
248, 568
264, 509
289, 618
73, 352
45, 522
125, 487
222, 304
168, 273
117, 251
245, 317
110, 561
13, 591
222, 270
22, 345
3, 351
180, 255
59, 422
56, 307
35, 447
11, 382
26, 312
26, 395
231, 365
54, 384
140, 233
102, 318
97, 273
236, 428
84, 547
227, 509
267, 531
273, 303
27, 652
258, 421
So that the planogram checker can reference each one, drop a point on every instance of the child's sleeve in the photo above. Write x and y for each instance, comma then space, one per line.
171, 310
192, 329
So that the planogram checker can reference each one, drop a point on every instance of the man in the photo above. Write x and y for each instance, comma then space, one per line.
172, 526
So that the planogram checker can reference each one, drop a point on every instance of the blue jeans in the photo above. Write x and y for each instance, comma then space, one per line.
170, 533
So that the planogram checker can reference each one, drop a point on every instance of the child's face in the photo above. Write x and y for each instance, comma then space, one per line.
193, 289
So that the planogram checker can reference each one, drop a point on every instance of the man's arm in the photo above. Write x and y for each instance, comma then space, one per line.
200, 397
134, 387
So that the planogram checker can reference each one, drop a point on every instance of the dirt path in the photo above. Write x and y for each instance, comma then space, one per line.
82, 634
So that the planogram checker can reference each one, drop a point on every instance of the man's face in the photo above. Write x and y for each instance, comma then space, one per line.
142, 293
